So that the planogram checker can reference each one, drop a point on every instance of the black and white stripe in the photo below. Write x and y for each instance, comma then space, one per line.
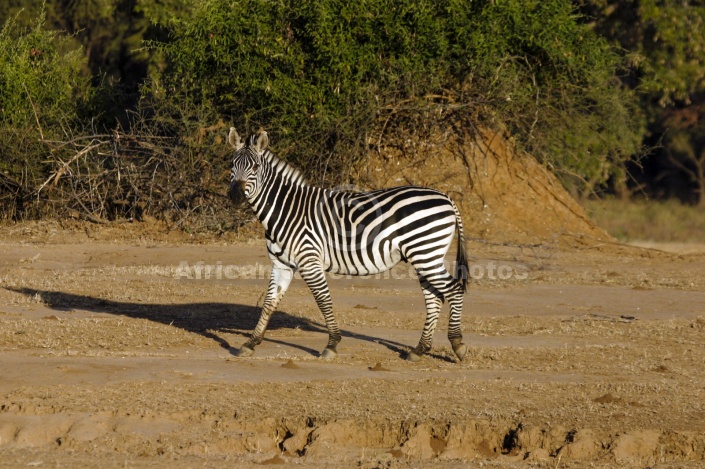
314, 230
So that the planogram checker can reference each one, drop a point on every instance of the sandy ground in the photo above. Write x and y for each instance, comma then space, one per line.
118, 351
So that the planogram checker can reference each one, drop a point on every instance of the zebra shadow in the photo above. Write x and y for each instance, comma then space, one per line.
211, 320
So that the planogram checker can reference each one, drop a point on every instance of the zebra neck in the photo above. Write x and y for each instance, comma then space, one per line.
277, 202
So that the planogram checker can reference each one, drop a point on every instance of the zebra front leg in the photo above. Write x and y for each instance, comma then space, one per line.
279, 281
315, 278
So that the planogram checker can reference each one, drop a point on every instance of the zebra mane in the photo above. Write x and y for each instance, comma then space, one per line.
285, 170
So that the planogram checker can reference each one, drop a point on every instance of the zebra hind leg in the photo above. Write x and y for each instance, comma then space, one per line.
455, 336
437, 287
434, 301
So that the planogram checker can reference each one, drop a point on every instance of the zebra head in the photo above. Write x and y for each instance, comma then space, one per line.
244, 174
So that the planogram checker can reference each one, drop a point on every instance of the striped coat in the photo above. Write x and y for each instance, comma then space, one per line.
314, 230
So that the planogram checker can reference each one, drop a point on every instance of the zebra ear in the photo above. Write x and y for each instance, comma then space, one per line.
262, 141
234, 139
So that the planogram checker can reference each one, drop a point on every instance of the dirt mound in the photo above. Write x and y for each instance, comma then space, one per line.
503, 195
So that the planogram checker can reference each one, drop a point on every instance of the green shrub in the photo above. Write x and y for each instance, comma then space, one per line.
43, 89
329, 79
563, 99
40, 78
326, 75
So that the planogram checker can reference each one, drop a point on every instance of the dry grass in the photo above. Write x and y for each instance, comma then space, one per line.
642, 220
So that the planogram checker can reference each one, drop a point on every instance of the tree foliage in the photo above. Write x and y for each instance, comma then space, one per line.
320, 74
664, 41
43, 92
37, 71
334, 79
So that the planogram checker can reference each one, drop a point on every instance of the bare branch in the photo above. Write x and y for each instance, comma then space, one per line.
34, 109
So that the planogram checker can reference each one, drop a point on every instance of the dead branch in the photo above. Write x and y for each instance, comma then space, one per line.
65, 166
34, 109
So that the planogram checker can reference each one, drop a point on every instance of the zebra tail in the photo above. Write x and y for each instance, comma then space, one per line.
462, 268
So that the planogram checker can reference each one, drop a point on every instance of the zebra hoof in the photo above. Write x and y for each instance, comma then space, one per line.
412, 356
328, 354
245, 352
460, 351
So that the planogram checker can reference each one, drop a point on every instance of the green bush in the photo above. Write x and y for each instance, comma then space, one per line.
329, 79
43, 89
563, 98
326, 75
41, 79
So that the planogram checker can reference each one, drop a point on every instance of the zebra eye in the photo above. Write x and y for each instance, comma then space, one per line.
255, 168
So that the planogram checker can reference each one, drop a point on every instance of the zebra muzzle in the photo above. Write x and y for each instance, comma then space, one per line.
237, 193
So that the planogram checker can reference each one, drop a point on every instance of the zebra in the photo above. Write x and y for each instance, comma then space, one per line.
314, 230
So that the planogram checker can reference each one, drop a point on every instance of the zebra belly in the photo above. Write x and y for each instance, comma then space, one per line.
281, 254
346, 262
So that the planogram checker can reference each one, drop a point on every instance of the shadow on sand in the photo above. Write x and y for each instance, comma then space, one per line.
210, 320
